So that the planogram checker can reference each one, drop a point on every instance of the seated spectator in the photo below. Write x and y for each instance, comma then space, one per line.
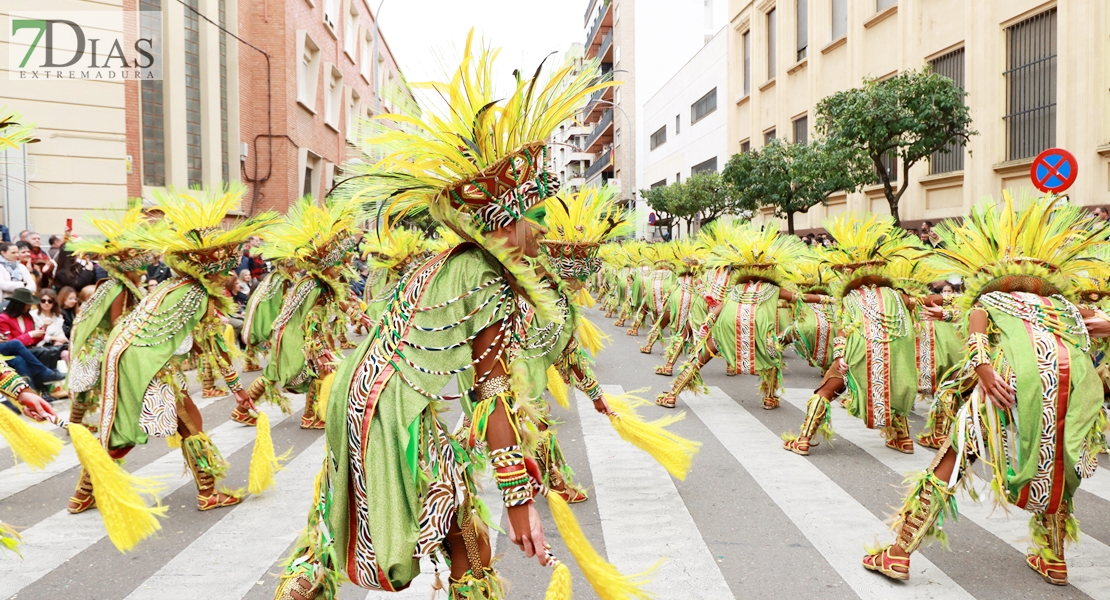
17, 325
48, 317
84, 295
67, 300
30, 368
74, 272
13, 274
151, 284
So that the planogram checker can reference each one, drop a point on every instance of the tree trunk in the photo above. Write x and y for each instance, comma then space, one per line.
790, 222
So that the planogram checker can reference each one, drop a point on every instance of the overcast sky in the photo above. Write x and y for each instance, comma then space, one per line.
421, 33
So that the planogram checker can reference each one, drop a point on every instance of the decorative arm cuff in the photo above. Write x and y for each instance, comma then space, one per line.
978, 349
839, 343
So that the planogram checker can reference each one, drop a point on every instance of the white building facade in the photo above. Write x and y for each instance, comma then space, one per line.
685, 124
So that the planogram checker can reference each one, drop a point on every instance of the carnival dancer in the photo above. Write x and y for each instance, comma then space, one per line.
671, 271
263, 309
813, 327
143, 391
1034, 417
115, 297
874, 355
614, 269
745, 327
318, 239
389, 255
639, 267
654, 286
687, 307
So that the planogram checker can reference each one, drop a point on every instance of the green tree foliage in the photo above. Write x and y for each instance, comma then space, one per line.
700, 199
791, 178
909, 116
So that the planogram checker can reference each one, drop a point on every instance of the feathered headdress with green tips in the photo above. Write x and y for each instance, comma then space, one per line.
479, 165
578, 223
315, 237
118, 251
809, 274
195, 236
395, 249
753, 252
1042, 246
866, 244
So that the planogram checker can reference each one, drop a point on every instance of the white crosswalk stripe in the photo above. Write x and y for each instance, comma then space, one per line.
62, 536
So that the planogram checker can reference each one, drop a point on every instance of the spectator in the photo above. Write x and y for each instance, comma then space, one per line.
13, 275
23, 362
241, 290
251, 261
56, 242
158, 272
67, 301
74, 272
17, 325
23, 235
151, 284
48, 317
35, 240
1101, 213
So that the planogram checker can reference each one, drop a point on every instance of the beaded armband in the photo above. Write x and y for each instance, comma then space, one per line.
948, 315
512, 476
492, 387
822, 299
11, 384
231, 376
592, 389
978, 349
839, 342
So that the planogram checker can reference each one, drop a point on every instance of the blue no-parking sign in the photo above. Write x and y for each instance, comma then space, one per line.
1054, 170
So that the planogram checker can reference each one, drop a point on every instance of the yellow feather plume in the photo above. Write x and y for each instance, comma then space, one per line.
308, 230
608, 583
675, 453
264, 464
557, 387
174, 441
119, 494
33, 446
118, 234
559, 588
583, 298
590, 337
12, 132
588, 216
323, 395
394, 248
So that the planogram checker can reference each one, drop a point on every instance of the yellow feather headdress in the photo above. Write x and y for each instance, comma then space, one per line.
865, 245
315, 236
445, 240
119, 250
193, 235
12, 132
578, 223
809, 275
1041, 246
394, 249
754, 252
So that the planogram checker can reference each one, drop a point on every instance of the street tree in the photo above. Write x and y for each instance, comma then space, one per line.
791, 178
907, 117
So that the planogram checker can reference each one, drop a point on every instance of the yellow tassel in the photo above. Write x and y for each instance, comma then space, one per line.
673, 452
33, 446
583, 298
591, 338
264, 464
322, 396
174, 441
229, 338
557, 387
560, 586
119, 494
607, 581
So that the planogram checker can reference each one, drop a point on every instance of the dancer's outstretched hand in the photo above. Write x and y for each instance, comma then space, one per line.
841, 365
1097, 326
995, 388
601, 406
34, 406
244, 400
526, 531
933, 313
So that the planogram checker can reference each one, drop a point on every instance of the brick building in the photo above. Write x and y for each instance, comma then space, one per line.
278, 109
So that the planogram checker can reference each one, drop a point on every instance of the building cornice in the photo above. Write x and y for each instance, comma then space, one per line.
833, 45
765, 5
942, 180
881, 16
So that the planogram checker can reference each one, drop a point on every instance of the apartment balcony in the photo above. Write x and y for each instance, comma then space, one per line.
602, 164
602, 23
598, 102
577, 157
603, 133
574, 184
606, 49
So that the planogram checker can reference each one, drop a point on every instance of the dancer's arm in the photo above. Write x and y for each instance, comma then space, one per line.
990, 382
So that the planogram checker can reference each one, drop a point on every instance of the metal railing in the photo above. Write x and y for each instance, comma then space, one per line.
603, 162
950, 159
596, 25
605, 122
606, 42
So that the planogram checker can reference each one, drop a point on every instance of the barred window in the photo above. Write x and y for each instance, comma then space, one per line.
193, 134
225, 159
801, 130
950, 159
151, 102
704, 106
659, 137
707, 166
1031, 85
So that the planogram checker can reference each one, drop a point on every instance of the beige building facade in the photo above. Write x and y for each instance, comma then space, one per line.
1037, 75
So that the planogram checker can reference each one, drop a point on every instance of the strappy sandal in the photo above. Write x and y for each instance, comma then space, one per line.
883, 562
633, 332
311, 423
572, 495
799, 446
668, 371
901, 444
213, 500
83, 498
665, 400
930, 441
1054, 572
645, 349
243, 415
214, 392
770, 403
295, 584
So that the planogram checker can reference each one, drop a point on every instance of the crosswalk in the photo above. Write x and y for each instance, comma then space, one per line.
643, 516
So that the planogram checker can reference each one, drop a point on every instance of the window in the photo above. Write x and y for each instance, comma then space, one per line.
616, 54
659, 184
950, 65
659, 137
801, 130
366, 62
884, 4
617, 13
768, 136
313, 169
350, 32
151, 101
617, 95
1031, 85
709, 166
890, 165
746, 146
678, 177
677, 124
617, 138
771, 35
839, 19
332, 96
330, 13
705, 105
307, 71
194, 141
225, 158
803, 28
354, 106
747, 62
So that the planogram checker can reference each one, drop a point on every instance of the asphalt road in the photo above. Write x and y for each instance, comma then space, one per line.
750, 521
